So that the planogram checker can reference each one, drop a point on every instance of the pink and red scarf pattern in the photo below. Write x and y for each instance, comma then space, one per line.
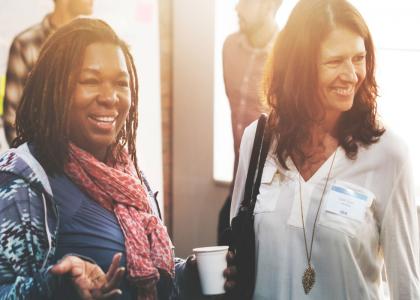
118, 189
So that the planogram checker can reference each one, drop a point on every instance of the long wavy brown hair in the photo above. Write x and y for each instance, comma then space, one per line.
43, 115
290, 86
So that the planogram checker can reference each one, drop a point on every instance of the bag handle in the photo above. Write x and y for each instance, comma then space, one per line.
257, 160
261, 162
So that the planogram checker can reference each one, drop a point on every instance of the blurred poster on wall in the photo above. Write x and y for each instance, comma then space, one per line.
136, 21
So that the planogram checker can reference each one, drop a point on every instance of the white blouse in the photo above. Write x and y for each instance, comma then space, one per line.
367, 219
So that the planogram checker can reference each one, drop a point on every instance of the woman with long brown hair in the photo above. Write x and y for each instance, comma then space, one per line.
336, 200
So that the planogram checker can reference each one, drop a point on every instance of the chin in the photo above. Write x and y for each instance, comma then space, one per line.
102, 142
344, 105
348, 105
344, 108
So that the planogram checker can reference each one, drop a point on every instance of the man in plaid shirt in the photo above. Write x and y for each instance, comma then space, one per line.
24, 52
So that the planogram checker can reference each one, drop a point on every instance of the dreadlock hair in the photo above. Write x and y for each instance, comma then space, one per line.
43, 115
290, 86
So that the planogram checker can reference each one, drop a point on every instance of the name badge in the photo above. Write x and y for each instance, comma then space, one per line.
346, 200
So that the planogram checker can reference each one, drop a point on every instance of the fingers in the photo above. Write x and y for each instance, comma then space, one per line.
230, 257
69, 264
114, 266
114, 282
95, 276
191, 261
89, 279
229, 284
192, 268
230, 272
114, 275
110, 295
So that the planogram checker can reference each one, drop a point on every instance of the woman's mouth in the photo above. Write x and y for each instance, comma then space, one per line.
103, 122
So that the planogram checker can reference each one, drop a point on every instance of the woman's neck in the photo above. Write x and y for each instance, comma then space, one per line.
316, 151
322, 143
323, 135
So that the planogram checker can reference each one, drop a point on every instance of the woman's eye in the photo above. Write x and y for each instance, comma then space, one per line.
359, 58
89, 81
333, 63
123, 83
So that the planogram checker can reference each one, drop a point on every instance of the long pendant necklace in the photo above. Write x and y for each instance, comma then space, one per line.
308, 278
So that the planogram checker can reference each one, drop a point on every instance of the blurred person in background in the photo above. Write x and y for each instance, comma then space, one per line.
24, 52
244, 55
336, 202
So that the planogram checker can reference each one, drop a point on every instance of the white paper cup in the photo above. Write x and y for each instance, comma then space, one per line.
211, 262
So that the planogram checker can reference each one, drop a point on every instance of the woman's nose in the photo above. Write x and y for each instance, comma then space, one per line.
108, 94
349, 73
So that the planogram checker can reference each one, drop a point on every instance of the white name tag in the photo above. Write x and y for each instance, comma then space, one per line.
348, 201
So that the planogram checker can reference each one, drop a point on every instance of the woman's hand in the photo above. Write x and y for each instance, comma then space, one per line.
192, 275
89, 280
230, 272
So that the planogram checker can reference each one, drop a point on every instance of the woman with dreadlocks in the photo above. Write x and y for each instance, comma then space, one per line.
75, 209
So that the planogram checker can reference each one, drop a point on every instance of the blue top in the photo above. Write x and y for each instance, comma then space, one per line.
88, 229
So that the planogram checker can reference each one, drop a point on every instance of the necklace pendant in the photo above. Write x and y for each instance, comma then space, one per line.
308, 279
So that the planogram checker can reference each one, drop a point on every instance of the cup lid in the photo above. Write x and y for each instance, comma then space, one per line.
210, 249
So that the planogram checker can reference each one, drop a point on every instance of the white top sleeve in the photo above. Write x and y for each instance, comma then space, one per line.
399, 237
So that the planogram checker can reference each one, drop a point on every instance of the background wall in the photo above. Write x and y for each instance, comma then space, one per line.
165, 25
137, 22
197, 199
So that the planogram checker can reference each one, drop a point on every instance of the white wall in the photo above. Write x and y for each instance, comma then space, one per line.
197, 199
137, 22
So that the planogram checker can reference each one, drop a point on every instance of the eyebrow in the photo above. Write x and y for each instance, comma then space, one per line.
96, 72
342, 56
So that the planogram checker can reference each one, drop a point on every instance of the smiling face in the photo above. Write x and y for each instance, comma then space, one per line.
341, 71
101, 99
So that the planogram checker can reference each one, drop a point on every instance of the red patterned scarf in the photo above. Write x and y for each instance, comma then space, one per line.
118, 189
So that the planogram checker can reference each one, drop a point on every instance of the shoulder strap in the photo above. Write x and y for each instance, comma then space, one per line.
253, 163
261, 162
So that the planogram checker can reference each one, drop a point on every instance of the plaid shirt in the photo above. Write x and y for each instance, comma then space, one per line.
23, 54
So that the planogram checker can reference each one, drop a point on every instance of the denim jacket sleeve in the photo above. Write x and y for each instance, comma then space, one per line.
187, 285
24, 249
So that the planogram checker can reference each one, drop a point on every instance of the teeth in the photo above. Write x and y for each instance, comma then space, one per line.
104, 119
344, 92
